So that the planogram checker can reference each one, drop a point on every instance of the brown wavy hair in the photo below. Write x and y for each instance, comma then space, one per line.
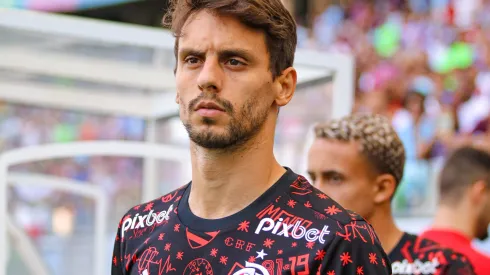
269, 16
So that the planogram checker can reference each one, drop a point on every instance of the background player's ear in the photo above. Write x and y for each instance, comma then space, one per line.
385, 188
478, 192
285, 86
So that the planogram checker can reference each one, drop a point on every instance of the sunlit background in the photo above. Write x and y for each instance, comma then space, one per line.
435, 51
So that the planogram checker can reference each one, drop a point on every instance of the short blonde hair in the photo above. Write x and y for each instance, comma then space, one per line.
378, 139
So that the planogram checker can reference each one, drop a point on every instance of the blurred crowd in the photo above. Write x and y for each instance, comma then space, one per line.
423, 63
22, 126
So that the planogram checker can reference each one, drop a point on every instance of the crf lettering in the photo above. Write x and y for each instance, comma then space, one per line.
249, 246
238, 244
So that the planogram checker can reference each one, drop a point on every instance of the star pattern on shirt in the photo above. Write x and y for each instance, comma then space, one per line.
291, 203
171, 244
372, 258
148, 207
268, 243
345, 258
261, 254
243, 226
332, 210
320, 254
223, 260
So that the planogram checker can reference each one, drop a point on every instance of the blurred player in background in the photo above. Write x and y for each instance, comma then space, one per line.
243, 213
359, 160
464, 207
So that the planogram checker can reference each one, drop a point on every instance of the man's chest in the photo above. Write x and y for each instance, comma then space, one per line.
152, 263
174, 249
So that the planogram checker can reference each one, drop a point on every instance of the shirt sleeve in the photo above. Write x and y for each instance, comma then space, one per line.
356, 251
458, 265
117, 266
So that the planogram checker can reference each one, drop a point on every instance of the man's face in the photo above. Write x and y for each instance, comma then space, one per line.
224, 85
415, 103
339, 170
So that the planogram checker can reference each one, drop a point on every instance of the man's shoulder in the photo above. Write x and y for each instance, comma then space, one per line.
455, 241
448, 259
432, 253
345, 225
431, 247
324, 207
157, 205
151, 213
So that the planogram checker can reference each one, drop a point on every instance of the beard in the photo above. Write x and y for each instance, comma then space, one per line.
242, 127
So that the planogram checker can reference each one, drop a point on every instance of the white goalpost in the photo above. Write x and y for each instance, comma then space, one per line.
96, 57
27, 251
97, 148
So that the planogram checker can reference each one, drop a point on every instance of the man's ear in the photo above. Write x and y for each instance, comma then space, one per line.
177, 98
385, 187
478, 192
286, 86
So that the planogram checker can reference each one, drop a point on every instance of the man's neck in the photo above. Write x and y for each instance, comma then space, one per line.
456, 219
388, 233
224, 183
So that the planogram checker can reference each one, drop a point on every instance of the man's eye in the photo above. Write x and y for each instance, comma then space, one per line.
335, 179
192, 60
234, 62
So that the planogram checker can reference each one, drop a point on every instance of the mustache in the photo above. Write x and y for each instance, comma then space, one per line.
225, 104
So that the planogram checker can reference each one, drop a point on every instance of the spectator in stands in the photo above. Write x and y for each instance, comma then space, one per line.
417, 131
464, 209
415, 128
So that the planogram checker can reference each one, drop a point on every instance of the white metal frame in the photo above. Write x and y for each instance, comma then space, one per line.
310, 65
94, 148
26, 249
31, 258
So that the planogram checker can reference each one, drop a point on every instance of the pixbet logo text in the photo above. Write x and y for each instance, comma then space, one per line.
295, 230
147, 220
417, 267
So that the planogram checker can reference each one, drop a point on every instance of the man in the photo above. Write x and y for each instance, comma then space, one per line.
464, 207
358, 160
243, 213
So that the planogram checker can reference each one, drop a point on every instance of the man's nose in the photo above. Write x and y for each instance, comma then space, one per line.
211, 76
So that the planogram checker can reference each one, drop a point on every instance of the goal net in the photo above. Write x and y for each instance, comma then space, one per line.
89, 128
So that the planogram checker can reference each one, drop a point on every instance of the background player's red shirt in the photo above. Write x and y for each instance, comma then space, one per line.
462, 244
292, 228
414, 255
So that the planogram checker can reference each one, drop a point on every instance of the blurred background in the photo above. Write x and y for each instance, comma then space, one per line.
423, 63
